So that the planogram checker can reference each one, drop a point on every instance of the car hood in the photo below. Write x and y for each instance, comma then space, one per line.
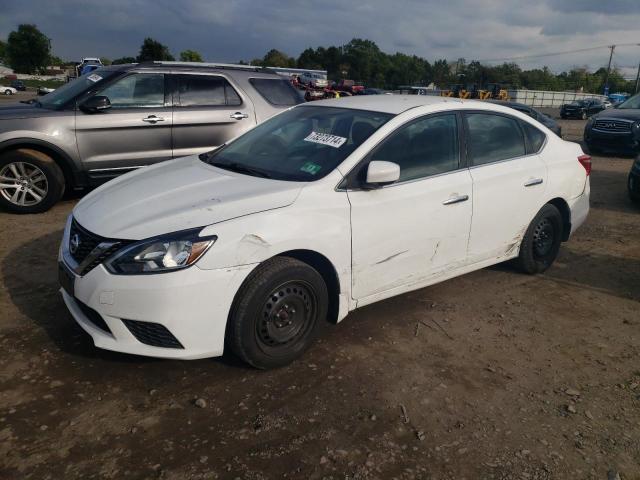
177, 195
631, 114
22, 110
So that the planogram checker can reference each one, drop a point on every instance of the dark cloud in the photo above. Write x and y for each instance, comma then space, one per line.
231, 30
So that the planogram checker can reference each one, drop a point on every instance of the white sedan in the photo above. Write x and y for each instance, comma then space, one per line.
320, 210
8, 90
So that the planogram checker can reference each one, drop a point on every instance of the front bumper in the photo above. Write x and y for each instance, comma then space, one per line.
624, 142
572, 114
191, 304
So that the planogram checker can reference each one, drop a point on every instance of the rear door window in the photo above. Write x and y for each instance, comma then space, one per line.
491, 138
535, 138
205, 91
276, 91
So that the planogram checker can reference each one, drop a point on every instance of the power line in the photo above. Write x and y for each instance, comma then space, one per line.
555, 54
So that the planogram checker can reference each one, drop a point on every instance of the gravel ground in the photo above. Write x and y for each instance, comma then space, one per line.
493, 375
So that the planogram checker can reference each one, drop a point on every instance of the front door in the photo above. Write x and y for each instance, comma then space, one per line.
208, 112
135, 131
418, 227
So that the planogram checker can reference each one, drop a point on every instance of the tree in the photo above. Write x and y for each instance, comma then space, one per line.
105, 61
275, 58
3, 50
123, 60
153, 50
28, 49
53, 60
190, 56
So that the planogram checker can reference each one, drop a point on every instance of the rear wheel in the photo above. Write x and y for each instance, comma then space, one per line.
632, 189
30, 181
276, 313
541, 242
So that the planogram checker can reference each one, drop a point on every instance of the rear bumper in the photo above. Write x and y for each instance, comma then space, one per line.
579, 207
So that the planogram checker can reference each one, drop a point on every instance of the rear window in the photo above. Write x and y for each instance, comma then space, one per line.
276, 91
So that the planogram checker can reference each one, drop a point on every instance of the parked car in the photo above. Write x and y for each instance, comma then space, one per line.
19, 85
633, 182
350, 86
582, 109
546, 120
372, 91
313, 80
123, 117
615, 130
327, 207
45, 90
8, 90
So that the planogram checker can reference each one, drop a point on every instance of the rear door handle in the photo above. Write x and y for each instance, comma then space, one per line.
532, 182
457, 199
153, 119
239, 115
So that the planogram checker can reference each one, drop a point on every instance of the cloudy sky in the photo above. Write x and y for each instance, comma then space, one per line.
230, 30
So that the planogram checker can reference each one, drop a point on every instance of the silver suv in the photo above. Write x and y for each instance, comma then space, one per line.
119, 118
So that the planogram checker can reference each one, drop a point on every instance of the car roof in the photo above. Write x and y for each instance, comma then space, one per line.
393, 104
236, 70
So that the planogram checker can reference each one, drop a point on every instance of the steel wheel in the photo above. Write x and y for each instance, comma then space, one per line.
23, 184
7, 92
287, 314
543, 238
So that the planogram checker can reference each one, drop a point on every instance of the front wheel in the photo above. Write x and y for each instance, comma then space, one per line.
30, 181
8, 92
541, 242
276, 313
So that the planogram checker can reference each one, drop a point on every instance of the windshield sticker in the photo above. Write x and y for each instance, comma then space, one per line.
311, 168
94, 77
326, 139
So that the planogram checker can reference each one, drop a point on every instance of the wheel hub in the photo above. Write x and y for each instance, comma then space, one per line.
286, 314
23, 184
543, 237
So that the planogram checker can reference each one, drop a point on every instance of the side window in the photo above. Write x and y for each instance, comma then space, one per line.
425, 147
205, 91
493, 137
276, 92
137, 90
535, 137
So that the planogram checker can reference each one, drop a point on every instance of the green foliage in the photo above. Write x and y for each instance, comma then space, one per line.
275, 58
3, 50
123, 60
190, 56
54, 60
106, 61
153, 50
28, 49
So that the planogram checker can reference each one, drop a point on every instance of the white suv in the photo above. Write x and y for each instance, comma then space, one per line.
322, 209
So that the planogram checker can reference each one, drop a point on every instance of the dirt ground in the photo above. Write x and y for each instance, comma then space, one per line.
493, 375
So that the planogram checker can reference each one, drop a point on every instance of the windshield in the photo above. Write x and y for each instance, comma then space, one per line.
60, 96
633, 102
301, 144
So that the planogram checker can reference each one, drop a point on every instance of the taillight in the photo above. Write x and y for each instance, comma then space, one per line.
585, 161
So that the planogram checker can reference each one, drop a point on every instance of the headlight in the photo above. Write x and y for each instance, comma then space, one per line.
161, 254
636, 128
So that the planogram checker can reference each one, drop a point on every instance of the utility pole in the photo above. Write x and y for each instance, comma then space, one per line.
606, 79
638, 80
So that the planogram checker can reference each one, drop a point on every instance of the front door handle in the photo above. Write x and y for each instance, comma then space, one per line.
153, 119
456, 199
532, 182
239, 115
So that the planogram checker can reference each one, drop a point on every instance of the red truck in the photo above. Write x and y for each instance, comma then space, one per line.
349, 86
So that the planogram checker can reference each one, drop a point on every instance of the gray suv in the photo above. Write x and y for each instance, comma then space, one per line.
123, 117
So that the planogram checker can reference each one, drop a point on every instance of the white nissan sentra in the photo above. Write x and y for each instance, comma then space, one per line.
322, 209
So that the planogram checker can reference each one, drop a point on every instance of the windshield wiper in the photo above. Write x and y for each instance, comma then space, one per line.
239, 168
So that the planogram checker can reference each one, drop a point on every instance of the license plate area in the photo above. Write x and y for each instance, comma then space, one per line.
66, 278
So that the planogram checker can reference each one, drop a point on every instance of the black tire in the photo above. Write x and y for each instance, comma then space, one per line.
52, 185
276, 313
541, 242
7, 92
584, 116
634, 197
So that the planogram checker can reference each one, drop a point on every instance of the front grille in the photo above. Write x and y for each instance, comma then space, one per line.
94, 317
82, 243
152, 334
612, 126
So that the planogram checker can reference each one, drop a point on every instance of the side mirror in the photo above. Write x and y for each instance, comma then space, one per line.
382, 173
95, 104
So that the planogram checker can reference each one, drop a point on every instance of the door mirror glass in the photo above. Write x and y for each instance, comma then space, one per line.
96, 104
380, 172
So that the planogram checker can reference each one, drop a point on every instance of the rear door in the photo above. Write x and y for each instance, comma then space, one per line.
135, 131
509, 182
208, 111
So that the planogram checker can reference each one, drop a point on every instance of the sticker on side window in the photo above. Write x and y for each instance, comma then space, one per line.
310, 168
325, 139
94, 77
